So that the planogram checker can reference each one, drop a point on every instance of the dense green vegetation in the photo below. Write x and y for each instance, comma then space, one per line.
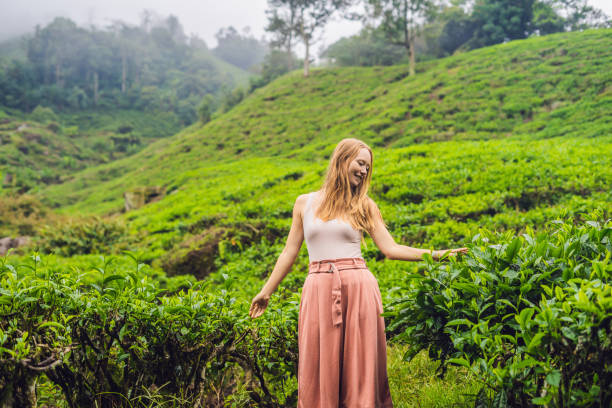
531, 315
44, 148
504, 139
113, 332
150, 67
399, 31
539, 88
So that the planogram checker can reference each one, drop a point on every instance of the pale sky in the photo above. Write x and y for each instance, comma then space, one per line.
203, 17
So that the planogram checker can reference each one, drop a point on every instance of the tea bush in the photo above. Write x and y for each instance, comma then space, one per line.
531, 315
120, 336
93, 236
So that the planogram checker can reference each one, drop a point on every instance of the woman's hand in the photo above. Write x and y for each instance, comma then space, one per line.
258, 305
450, 252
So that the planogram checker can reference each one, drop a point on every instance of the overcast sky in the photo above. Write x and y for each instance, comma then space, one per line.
203, 17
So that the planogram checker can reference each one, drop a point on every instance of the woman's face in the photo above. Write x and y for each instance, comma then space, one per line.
359, 167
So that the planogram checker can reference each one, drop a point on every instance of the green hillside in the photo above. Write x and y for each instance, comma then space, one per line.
44, 148
538, 88
509, 136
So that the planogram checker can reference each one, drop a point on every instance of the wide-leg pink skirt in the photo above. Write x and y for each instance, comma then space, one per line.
341, 338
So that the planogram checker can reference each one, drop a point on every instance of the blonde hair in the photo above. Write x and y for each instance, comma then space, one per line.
339, 199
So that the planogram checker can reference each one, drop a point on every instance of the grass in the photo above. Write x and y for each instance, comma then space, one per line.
416, 384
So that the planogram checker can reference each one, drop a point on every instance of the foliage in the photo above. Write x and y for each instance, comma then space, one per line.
579, 14
401, 21
43, 115
367, 48
242, 50
206, 109
501, 20
35, 151
21, 215
121, 336
530, 315
546, 92
152, 67
275, 64
291, 18
504, 138
94, 236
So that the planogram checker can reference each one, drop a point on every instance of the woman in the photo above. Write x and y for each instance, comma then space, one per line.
341, 335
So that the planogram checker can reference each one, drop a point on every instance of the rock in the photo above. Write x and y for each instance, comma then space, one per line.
7, 243
140, 196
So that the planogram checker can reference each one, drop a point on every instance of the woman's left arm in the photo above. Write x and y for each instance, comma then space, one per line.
392, 250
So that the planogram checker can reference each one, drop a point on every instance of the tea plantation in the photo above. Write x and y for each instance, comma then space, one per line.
506, 150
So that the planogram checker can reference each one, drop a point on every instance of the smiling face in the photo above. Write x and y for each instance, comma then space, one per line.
359, 167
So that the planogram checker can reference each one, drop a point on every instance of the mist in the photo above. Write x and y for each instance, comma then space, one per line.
203, 18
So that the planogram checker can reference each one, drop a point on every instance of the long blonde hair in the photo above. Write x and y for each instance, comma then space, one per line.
339, 199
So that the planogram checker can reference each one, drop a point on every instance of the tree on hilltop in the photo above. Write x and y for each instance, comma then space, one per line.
239, 49
401, 21
290, 18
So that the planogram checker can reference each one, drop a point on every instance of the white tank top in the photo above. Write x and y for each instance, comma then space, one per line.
331, 239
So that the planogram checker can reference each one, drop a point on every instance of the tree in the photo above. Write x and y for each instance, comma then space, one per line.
459, 28
501, 20
401, 21
242, 50
281, 22
275, 64
368, 48
302, 18
545, 19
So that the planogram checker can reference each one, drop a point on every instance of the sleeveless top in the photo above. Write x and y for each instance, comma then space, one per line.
332, 239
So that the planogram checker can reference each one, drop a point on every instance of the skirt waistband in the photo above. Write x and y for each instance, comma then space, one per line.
328, 265
334, 266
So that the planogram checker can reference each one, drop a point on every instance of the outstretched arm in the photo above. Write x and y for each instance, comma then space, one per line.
392, 250
284, 261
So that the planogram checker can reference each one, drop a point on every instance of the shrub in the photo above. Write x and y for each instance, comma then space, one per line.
113, 341
43, 114
531, 315
92, 236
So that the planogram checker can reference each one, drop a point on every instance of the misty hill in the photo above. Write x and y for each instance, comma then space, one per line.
505, 137
537, 88
151, 67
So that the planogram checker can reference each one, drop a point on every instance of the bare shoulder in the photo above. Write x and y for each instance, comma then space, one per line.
371, 203
300, 203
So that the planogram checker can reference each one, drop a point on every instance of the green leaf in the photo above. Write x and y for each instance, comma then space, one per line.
500, 400
512, 249
111, 278
540, 400
52, 324
535, 341
554, 378
459, 361
458, 322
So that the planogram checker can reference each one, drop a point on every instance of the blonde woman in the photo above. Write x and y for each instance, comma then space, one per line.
341, 334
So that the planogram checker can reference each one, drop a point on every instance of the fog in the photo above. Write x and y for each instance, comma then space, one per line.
203, 18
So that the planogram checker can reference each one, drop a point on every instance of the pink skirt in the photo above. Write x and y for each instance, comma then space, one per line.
341, 338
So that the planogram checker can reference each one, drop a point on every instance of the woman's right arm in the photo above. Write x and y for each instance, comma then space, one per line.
284, 261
